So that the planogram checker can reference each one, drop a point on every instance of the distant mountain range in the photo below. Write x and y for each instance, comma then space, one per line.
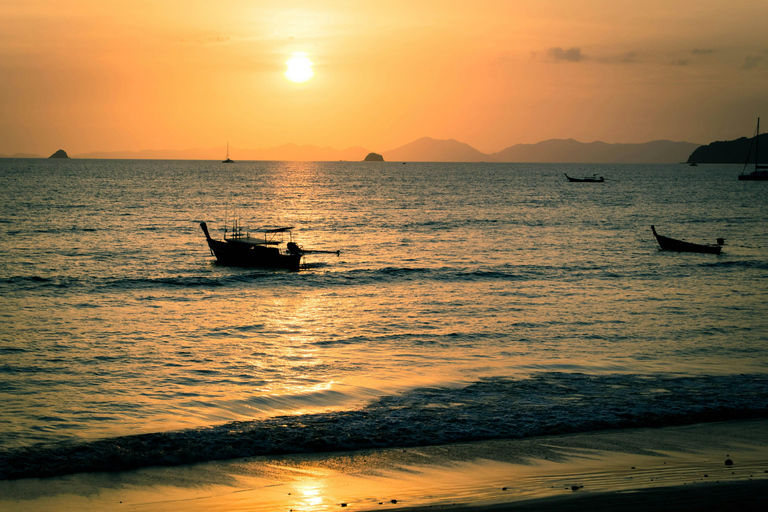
21, 155
428, 149
548, 151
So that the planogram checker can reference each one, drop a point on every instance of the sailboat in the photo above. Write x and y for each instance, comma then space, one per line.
761, 171
228, 161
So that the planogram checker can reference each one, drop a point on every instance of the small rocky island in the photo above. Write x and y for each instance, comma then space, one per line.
374, 157
59, 154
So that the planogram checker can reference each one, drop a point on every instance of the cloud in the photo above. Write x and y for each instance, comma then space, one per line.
573, 54
558, 54
681, 62
751, 62
703, 51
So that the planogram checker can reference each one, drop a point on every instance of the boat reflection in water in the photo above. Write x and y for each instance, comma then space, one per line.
671, 244
241, 250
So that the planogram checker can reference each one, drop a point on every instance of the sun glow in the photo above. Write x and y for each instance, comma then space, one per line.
299, 68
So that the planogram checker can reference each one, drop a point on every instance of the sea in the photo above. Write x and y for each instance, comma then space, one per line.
469, 301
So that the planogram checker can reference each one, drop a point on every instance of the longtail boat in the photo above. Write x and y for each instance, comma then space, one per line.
671, 244
586, 179
240, 249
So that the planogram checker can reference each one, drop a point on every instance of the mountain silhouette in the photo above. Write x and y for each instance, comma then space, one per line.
21, 155
427, 149
572, 151
549, 151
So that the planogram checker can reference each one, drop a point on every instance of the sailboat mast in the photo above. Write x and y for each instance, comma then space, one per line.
757, 144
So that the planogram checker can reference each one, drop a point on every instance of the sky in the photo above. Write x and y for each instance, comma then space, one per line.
96, 75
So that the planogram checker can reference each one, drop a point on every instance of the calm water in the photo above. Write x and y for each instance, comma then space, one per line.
470, 301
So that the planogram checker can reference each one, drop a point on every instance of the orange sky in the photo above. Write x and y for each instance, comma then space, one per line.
92, 75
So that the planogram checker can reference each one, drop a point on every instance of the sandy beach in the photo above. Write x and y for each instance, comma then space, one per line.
672, 468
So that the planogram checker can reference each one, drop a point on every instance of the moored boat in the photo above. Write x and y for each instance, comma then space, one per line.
586, 179
241, 250
672, 244
760, 172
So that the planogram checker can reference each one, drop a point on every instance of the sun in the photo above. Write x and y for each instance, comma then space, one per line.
299, 68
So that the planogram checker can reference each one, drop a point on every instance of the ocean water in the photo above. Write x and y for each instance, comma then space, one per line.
470, 301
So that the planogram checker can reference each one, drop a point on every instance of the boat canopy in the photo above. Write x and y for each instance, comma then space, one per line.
275, 230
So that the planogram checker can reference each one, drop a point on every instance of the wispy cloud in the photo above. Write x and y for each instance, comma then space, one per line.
703, 51
574, 54
558, 54
681, 62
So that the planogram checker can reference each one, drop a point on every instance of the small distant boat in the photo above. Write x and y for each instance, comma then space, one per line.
693, 164
241, 250
586, 179
760, 173
228, 160
671, 244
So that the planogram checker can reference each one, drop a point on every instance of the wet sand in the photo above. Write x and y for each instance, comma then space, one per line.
750, 496
674, 468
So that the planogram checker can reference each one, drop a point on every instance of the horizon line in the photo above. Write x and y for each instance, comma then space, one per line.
327, 148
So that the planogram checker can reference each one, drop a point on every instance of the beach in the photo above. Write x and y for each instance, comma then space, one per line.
670, 468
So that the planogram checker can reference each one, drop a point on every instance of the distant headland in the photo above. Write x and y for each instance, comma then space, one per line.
59, 154
730, 152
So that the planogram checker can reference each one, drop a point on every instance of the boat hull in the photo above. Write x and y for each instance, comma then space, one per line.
755, 176
672, 244
234, 254
585, 180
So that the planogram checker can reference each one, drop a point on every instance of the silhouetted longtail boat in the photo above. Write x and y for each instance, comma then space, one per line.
587, 179
241, 250
670, 244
